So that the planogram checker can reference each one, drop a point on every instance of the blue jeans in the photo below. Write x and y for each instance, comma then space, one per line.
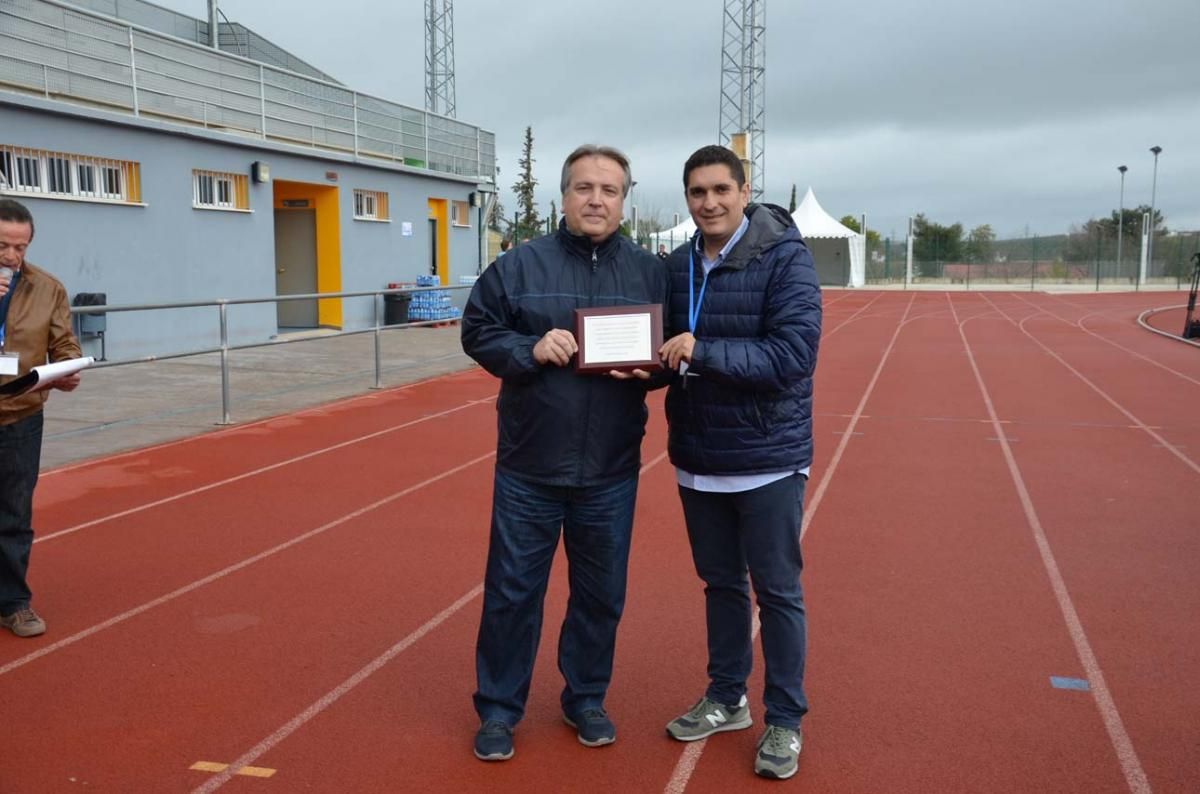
20, 458
596, 525
758, 532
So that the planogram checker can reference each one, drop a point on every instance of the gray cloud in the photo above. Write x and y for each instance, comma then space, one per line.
1009, 112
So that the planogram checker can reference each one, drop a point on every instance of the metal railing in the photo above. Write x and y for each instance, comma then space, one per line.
63, 52
224, 348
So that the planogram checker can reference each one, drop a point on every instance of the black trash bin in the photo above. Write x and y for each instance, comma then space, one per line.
395, 308
91, 324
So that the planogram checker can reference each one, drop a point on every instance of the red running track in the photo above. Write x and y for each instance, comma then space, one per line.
1000, 496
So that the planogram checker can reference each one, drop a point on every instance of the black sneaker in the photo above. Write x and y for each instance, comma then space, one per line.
593, 727
493, 741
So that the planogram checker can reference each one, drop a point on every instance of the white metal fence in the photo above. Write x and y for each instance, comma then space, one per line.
63, 52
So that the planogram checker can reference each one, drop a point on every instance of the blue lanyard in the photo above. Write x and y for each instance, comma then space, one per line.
694, 303
4, 304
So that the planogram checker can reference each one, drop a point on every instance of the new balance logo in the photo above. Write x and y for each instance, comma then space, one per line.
716, 718
795, 745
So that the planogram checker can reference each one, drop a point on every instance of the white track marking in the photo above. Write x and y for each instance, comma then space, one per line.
1135, 777
255, 472
221, 574
690, 756
335, 694
1135, 421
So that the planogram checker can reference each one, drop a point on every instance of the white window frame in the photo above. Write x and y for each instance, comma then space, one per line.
455, 220
371, 205
217, 190
60, 175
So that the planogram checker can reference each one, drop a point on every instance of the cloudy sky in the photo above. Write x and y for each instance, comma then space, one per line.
1014, 113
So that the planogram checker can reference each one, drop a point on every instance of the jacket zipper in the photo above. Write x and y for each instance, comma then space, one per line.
583, 450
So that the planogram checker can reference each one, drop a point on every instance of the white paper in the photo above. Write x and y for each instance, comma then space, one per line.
44, 377
613, 338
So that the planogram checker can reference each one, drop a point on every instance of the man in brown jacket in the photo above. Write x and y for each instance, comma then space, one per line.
35, 325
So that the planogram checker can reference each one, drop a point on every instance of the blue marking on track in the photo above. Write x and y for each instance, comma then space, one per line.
1059, 682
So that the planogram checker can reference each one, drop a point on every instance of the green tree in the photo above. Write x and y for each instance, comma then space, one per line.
792, 203
553, 215
1131, 221
980, 245
850, 222
497, 220
528, 223
935, 244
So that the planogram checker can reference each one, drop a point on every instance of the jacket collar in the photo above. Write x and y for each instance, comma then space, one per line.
582, 245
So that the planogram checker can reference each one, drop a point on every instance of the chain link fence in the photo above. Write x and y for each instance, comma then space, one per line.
1074, 258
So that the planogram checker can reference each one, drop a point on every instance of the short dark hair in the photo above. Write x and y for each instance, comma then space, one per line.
616, 155
714, 155
16, 212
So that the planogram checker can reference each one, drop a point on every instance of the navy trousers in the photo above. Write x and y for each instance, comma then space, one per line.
20, 459
743, 539
596, 524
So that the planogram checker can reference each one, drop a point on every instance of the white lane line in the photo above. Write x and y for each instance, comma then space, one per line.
1141, 319
255, 472
335, 694
1080, 324
1135, 777
690, 756
825, 335
221, 574
823, 485
1136, 422
374, 395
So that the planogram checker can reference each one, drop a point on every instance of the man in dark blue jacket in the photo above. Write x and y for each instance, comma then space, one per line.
745, 309
568, 454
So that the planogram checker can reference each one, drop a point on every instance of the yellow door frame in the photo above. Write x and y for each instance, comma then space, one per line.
439, 210
324, 199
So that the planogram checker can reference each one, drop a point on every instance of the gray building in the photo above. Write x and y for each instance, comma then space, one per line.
161, 170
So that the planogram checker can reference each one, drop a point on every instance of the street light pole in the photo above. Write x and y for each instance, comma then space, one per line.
1120, 226
1156, 150
632, 213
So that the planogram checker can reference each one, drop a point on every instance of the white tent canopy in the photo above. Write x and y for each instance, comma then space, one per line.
838, 252
674, 237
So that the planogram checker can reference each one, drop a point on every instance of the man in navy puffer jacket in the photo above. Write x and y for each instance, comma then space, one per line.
745, 314
568, 454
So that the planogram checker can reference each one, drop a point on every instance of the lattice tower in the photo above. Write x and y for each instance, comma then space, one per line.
439, 57
743, 88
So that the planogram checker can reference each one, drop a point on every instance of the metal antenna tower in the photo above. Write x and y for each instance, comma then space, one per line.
439, 57
743, 88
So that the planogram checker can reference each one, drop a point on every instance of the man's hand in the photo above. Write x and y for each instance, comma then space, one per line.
640, 374
556, 347
4, 284
676, 349
68, 383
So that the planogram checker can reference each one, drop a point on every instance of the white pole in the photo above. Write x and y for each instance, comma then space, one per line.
1141, 278
908, 257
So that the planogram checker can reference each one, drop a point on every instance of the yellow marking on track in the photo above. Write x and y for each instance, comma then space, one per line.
248, 771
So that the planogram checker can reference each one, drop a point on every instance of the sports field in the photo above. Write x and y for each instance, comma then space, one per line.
1002, 547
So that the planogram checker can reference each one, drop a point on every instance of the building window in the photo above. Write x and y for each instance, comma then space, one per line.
370, 205
70, 176
460, 213
216, 190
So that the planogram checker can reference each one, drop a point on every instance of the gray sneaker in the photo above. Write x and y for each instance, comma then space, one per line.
708, 717
778, 752
24, 623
